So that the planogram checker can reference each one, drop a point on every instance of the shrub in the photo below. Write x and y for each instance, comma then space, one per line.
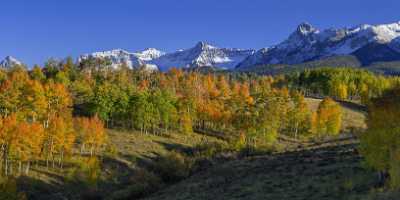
143, 184
86, 173
208, 149
111, 150
172, 167
8, 190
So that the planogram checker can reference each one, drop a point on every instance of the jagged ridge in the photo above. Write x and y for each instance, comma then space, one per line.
369, 43
9, 62
201, 55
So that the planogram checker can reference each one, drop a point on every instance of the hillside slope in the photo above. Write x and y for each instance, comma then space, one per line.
133, 152
250, 178
326, 173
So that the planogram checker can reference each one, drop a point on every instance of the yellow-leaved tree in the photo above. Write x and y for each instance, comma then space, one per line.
327, 119
380, 144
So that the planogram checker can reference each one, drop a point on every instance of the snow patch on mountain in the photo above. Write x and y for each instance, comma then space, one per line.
118, 57
9, 62
308, 43
201, 55
149, 54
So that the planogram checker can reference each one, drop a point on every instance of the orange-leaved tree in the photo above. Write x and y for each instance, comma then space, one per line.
327, 119
91, 133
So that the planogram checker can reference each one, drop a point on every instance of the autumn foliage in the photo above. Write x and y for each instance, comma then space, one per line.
380, 144
91, 133
36, 122
61, 111
328, 118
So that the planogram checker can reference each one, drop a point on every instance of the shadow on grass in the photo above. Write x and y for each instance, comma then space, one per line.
175, 147
36, 189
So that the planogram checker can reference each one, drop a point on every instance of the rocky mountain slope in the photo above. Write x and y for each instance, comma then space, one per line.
369, 43
201, 55
9, 61
119, 56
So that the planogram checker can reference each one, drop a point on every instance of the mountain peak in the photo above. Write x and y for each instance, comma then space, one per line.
203, 45
149, 54
151, 49
305, 28
9, 61
10, 58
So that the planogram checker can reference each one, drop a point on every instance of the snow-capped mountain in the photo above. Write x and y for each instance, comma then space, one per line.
133, 60
149, 54
201, 55
369, 43
9, 62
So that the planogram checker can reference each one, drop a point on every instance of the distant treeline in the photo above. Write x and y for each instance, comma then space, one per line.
341, 83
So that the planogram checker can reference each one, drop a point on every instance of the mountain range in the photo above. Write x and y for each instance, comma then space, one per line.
368, 43
363, 45
201, 55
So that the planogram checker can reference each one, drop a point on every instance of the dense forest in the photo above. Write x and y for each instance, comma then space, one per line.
342, 83
59, 114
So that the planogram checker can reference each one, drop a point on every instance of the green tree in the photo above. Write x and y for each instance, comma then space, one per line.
299, 116
165, 103
380, 144
37, 74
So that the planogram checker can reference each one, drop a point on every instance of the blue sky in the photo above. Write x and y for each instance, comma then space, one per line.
33, 31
